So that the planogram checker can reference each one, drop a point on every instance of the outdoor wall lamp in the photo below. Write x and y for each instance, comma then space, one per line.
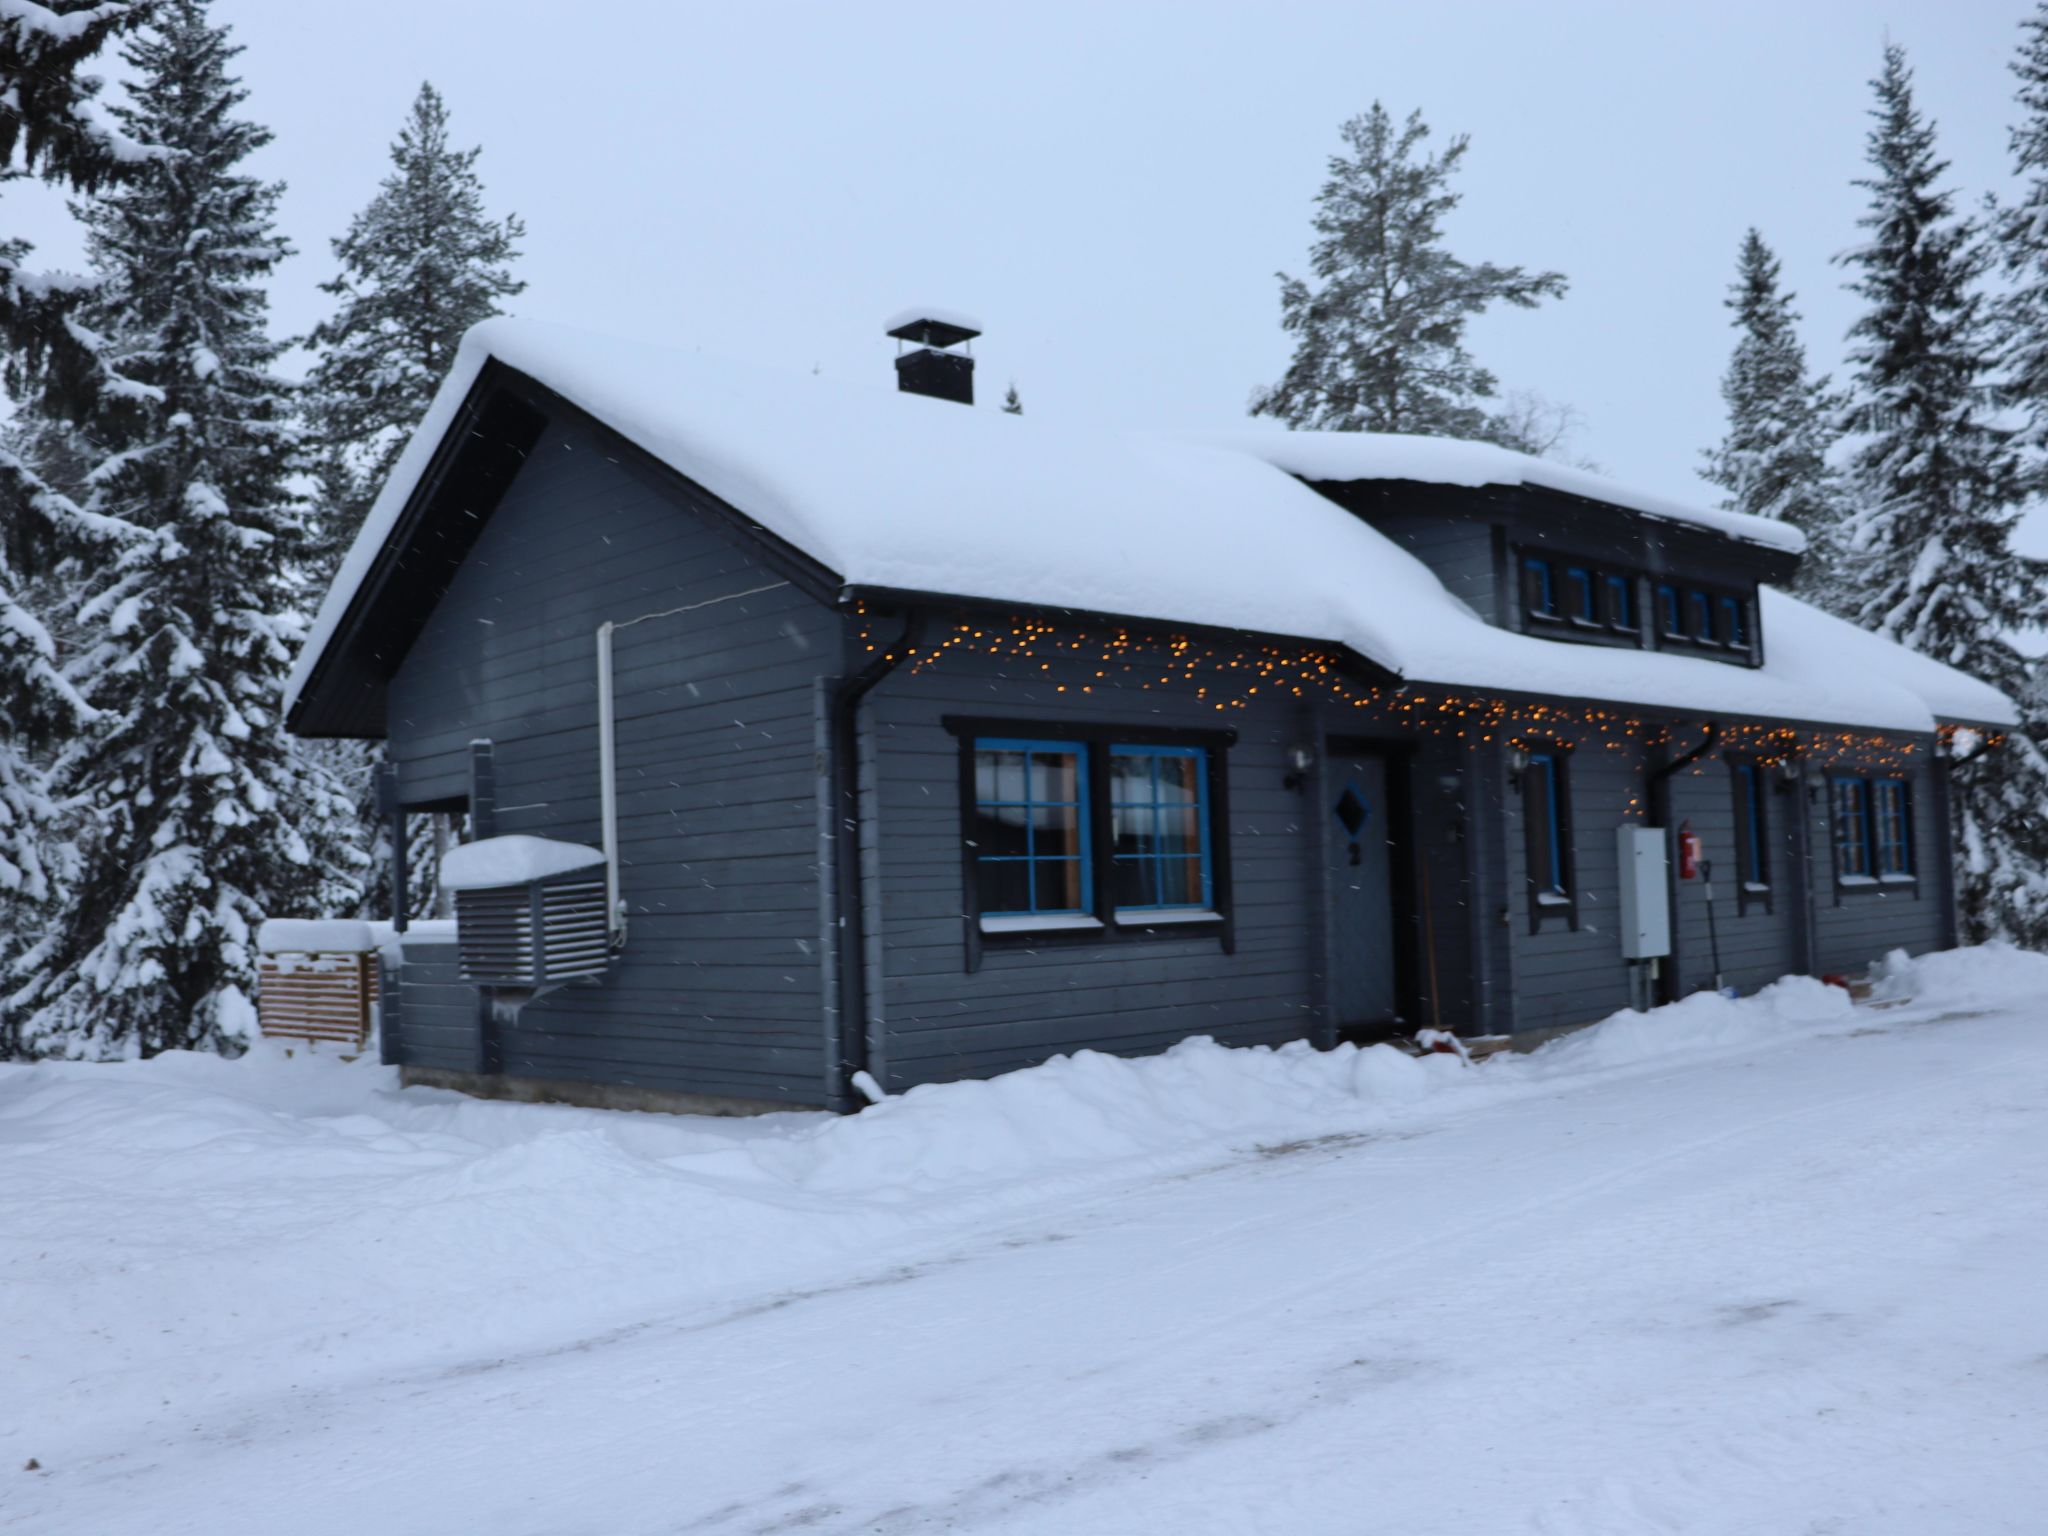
1518, 760
1299, 760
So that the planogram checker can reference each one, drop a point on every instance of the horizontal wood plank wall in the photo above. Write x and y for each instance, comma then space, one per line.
1564, 974
1855, 927
1459, 550
436, 1021
1759, 939
937, 1021
718, 990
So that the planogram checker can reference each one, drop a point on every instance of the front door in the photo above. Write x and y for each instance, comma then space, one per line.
1361, 867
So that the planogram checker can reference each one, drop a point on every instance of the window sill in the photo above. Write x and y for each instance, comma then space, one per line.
1856, 882
1042, 922
1149, 919
1556, 901
1903, 879
1755, 888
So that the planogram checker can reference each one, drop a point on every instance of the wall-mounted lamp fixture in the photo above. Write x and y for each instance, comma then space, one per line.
1790, 771
1299, 760
1518, 761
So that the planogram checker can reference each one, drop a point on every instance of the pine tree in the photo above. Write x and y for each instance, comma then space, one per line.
1013, 404
420, 265
51, 128
1380, 340
2021, 236
1926, 559
1773, 461
205, 816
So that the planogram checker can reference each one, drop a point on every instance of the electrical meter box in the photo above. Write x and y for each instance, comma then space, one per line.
1645, 893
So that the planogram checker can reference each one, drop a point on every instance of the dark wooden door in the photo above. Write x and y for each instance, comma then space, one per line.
1362, 895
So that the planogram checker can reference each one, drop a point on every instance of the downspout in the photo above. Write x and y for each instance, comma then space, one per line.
846, 860
1660, 816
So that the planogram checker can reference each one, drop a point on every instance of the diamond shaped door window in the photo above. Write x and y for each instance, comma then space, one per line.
1352, 810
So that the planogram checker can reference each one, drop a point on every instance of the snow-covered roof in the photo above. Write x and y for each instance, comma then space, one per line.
1344, 456
893, 490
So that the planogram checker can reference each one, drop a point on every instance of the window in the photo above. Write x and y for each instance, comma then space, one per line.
1873, 820
1892, 810
1849, 803
1734, 624
1752, 839
1699, 608
1030, 828
1159, 806
1621, 603
1074, 832
1544, 814
1538, 590
1582, 597
1670, 619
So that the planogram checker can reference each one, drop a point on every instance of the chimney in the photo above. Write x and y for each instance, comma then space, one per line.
934, 368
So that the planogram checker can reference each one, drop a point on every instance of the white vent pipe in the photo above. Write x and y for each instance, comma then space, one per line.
607, 747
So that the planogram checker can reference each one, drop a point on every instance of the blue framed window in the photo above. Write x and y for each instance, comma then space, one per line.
1670, 617
1699, 609
1539, 588
1159, 814
1752, 842
1581, 595
1891, 806
1621, 603
1546, 818
1029, 831
1734, 624
1849, 809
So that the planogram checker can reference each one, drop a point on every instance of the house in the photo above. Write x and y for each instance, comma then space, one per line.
842, 731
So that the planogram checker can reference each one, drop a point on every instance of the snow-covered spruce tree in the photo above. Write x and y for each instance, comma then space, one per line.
2020, 233
1380, 337
420, 265
1773, 462
51, 128
1925, 557
204, 815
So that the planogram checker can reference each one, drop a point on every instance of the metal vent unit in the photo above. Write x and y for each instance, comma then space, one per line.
523, 921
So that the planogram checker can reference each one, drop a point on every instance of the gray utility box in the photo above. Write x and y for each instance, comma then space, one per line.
534, 935
1645, 893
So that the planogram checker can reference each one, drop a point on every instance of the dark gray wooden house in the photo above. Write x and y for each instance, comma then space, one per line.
915, 739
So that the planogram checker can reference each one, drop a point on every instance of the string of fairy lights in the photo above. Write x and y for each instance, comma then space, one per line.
1234, 678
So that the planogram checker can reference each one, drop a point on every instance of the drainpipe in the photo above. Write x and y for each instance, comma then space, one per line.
846, 862
1660, 816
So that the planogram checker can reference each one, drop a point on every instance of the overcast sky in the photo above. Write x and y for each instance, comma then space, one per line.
1110, 187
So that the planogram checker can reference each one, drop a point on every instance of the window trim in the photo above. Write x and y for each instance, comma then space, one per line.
1101, 925
1621, 605
1585, 614
1749, 783
1540, 568
1083, 803
1874, 876
1549, 902
1899, 810
1175, 911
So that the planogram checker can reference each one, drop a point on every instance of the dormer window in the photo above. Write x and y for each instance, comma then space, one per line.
1670, 617
1621, 604
1581, 595
1539, 588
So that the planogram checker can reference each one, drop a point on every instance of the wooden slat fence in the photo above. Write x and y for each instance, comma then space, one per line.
317, 996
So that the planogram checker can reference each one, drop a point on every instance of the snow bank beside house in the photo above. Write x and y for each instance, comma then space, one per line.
1987, 976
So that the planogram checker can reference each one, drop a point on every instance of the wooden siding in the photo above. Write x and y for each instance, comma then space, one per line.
1461, 551
936, 1019
719, 988
1760, 938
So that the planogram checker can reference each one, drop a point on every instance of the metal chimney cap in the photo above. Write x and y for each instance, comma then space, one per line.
929, 326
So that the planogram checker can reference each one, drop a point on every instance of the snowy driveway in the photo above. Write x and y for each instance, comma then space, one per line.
1790, 1286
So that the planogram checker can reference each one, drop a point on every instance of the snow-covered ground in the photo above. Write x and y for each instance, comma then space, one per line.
1775, 1266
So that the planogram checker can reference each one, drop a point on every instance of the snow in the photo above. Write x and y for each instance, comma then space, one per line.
898, 491
303, 935
514, 860
1730, 1267
953, 317
1345, 456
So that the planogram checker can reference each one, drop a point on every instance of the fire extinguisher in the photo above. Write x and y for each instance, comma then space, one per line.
1688, 852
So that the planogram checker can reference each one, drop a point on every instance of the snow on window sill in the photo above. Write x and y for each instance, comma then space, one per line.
1903, 878
1145, 918
1855, 879
1040, 922
1552, 899
1756, 887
